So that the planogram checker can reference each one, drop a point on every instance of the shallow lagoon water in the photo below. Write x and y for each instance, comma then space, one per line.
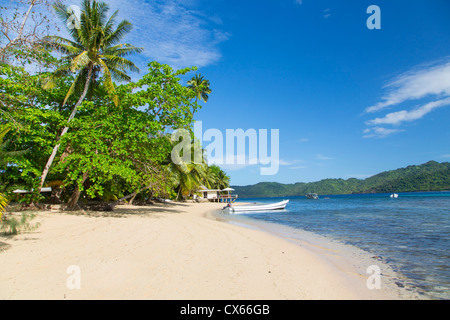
411, 234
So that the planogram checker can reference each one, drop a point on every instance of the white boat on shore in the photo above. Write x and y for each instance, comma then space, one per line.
260, 207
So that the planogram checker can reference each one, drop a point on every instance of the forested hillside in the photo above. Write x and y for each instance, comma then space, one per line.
431, 176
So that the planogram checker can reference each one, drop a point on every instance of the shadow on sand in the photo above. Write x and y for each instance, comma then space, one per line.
121, 211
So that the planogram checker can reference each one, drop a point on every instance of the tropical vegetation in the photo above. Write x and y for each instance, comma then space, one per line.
93, 49
84, 127
200, 86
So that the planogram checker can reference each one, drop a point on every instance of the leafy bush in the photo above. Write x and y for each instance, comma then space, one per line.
12, 225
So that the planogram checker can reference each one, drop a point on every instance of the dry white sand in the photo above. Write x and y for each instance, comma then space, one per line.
167, 251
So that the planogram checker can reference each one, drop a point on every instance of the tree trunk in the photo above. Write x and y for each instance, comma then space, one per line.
56, 148
73, 202
132, 198
178, 194
19, 36
131, 195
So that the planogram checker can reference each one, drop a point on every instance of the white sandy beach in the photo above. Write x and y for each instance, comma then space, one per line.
168, 251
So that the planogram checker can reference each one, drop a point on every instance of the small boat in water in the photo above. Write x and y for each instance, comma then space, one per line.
260, 207
312, 196
394, 196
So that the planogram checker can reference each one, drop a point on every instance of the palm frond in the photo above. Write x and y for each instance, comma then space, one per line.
63, 45
122, 50
4, 131
71, 89
121, 63
3, 204
96, 42
80, 62
119, 75
50, 81
108, 82
122, 29
65, 16
109, 26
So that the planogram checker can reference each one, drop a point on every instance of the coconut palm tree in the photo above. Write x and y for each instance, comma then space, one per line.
218, 177
93, 50
200, 86
187, 176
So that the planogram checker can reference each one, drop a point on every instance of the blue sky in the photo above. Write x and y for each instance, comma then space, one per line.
348, 101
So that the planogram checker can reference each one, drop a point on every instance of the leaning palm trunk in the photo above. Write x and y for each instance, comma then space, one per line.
74, 111
94, 44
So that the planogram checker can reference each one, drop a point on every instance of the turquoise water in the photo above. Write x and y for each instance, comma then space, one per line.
411, 233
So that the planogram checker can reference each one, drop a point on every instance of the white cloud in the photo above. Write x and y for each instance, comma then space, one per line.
396, 118
429, 83
322, 157
171, 32
423, 81
379, 132
298, 167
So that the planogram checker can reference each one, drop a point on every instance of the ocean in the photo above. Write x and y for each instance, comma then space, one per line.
411, 233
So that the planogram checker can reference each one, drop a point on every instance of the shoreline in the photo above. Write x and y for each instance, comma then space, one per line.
350, 260
177, 251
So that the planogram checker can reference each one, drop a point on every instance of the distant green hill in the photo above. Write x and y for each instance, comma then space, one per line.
431, 176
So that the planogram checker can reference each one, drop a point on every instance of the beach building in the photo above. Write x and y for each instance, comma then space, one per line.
43, 190
209, 194
217, 195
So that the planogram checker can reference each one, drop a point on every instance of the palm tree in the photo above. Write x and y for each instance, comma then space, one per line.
219, 179
187, 176
3, 204
200, 86
210, 178
224, 180
94, 49
4, 155
191, 178
3, 201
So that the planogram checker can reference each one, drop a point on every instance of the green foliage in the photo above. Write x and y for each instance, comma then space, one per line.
123, 147
94, 48
200, 86
35, 117
431, 176
11, 225
186, 176
216, 178
112, 149
3, 204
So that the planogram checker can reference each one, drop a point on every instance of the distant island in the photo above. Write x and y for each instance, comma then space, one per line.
431, 176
